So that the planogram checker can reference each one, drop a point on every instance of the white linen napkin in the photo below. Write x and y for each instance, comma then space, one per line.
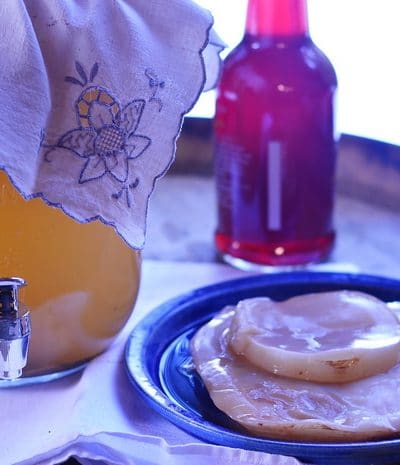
93, 96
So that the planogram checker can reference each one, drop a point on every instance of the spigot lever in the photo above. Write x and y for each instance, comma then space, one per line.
15, 329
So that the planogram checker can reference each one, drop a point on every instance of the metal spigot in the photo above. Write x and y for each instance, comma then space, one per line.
15, 329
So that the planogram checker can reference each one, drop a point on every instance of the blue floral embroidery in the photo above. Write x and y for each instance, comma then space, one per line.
106, 138
83, 75
125, 190
155, 85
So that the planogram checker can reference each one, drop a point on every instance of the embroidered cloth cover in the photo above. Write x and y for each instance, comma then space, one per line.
93, 95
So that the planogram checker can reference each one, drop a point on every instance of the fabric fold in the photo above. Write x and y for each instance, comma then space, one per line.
94, 95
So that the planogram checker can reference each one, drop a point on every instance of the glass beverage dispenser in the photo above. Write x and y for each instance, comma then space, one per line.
82, 280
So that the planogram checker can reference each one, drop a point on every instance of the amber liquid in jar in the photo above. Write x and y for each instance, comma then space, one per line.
275, 148
82, 279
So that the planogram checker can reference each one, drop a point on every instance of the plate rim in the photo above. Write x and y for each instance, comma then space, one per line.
153, 394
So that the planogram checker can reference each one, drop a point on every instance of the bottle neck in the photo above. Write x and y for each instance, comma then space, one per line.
273, 18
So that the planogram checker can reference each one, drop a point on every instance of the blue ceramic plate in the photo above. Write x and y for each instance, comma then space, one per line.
160, 367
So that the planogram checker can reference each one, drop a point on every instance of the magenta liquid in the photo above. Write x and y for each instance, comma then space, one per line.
274, 142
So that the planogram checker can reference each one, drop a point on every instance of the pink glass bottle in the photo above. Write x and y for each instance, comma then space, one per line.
275, 148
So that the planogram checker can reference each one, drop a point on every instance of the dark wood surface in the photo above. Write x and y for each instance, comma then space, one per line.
362, 163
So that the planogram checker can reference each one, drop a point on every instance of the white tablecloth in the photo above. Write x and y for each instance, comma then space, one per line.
97, 414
